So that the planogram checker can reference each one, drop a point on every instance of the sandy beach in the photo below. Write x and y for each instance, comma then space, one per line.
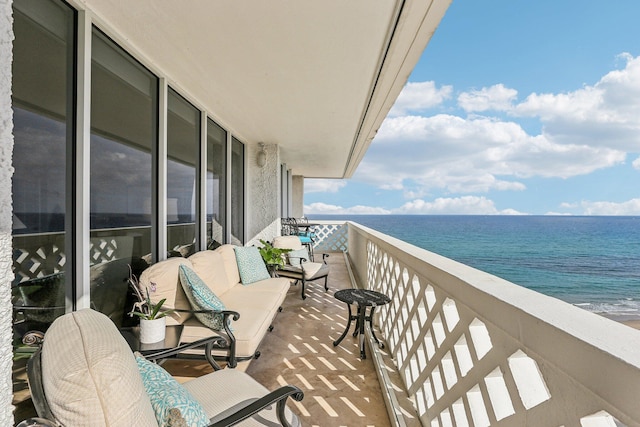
633, 323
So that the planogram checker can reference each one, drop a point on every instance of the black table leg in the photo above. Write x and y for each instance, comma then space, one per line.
373, 333
344, 334
362, 310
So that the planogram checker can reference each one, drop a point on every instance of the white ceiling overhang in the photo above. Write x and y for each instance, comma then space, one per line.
314, 77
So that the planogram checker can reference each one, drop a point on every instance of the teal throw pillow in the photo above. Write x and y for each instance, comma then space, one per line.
167, 395
250, 264
295, 256
202, 297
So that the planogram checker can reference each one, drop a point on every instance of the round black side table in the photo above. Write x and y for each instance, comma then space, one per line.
364, 298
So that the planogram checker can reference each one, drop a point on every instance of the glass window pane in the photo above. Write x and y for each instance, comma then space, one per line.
123, 133
183, 148
216, 182
43, 81
237, 192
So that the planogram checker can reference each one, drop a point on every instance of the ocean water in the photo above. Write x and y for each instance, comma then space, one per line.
591, 262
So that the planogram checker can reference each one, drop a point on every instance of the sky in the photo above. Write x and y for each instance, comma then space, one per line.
515, 107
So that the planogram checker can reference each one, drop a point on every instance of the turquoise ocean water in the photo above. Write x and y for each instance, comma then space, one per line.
591, 262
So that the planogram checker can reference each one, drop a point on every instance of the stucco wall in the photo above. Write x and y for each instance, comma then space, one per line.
263, 198
6, 171
297, 195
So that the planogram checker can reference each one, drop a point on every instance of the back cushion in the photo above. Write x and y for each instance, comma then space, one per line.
229, 258
211, 268
165, 275
287, 242
90, 376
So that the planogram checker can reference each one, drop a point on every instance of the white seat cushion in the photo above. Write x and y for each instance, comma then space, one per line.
228, 388
273, 290
211, 267
287, 242
249, 330
312, 270
90, 375
165, 275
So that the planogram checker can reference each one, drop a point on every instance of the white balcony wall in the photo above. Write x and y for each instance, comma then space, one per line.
480, 350
6, 171
263, 194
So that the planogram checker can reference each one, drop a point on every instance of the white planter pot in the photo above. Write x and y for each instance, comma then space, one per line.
152, 330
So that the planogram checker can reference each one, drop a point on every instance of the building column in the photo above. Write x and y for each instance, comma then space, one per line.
6, 172
297, 195
263, 193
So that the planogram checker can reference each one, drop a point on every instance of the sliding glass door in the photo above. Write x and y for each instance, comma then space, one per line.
124, 111
183, 148
237, 192
216, 183
43, 129
122, 171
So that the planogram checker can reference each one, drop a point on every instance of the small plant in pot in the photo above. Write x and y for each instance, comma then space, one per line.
152, 316
273, 257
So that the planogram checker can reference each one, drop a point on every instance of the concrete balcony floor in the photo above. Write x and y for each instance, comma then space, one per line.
340, 388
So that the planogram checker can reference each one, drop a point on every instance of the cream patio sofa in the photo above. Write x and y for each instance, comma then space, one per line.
250, 309
85, 374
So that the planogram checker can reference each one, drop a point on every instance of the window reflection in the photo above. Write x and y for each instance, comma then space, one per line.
237, 192
122, 165
183, 146
216, 182
123, 133
42, 88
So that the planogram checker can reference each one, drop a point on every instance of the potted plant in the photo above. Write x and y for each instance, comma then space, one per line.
152, 317
273, 257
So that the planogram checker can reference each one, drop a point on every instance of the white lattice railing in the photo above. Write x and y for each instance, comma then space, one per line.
41, 254
477, 350
331, 236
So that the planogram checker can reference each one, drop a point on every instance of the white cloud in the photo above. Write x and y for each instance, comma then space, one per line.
459, 205
323, 185
326, 209
606, 114
465, 155
419, 96
630, 207
583, 131
636, 164
558, 214
497, 97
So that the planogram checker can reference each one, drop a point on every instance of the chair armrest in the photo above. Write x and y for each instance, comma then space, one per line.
324, 258
37, 422
210, 343
33, 338
228, 315
278, 396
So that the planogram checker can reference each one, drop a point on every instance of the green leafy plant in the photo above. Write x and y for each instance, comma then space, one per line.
144, 308
271, 255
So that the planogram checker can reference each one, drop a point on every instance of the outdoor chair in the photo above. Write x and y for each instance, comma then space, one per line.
292, 227
307, 233
85, 374
296, 263
288, 226
37, 302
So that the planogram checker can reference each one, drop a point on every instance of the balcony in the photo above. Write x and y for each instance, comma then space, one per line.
463, 347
